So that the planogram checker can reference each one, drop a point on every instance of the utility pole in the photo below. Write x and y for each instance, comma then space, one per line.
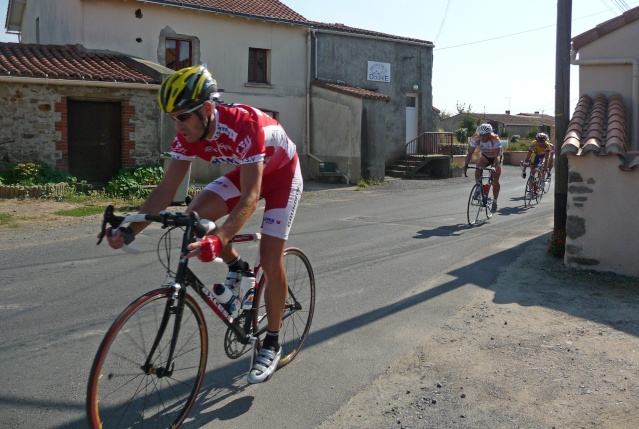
562, 114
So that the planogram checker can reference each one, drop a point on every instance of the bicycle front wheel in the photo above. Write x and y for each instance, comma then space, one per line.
547, 182
299, 308
126, 392
474, 205
529, 193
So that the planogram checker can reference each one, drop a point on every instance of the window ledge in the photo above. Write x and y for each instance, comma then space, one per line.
258, 85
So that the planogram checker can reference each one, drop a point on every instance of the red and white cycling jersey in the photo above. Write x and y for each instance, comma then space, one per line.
243, 134
491, 148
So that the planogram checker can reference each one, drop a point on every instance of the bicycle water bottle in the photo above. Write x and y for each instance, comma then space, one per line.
226, 297
247, 289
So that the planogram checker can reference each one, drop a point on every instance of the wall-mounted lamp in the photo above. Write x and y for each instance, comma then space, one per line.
415, 87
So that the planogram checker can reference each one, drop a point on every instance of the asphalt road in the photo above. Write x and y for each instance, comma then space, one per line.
392, 262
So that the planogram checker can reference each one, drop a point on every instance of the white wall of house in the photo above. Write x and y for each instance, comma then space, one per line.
337, 131
602, 199
224, 43
602, 215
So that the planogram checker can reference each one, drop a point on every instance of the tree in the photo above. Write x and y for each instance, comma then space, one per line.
461, 108
444, 115
469, 123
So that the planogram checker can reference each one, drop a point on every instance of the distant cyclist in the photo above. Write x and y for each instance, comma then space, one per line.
540, 150
491, 155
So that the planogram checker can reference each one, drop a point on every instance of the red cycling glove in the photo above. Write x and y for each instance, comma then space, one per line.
210, 248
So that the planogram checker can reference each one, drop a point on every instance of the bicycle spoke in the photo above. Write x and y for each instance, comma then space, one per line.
121, 393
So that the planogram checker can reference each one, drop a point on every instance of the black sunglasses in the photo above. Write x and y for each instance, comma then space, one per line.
185, 116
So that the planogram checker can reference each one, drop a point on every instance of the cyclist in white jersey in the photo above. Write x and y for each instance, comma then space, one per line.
491, 155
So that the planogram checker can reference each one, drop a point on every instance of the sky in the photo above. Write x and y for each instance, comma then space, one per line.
489, 56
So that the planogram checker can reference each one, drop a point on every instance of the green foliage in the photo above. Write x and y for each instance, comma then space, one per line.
444, 115
81, 211
469, 123
503, 134
518, 146
532, 133
461, 134
461, 108
515, 138
31, 174
131, 182
5, 219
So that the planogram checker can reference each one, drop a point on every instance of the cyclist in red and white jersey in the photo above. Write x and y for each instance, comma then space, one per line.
267, 167
491, 155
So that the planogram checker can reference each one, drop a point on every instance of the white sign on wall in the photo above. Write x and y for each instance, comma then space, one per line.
379, 72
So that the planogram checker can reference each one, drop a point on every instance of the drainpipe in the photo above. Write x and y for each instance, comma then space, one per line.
634, 62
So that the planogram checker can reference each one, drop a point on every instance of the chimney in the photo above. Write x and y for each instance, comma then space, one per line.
508, 112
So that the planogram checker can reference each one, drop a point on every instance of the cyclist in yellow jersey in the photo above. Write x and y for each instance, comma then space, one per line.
540, 150
491, 155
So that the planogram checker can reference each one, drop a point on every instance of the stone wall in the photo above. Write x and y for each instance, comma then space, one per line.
33, 124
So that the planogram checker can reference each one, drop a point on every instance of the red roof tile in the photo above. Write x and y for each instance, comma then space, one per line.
270, 10
67, 62
351, 90
345, 29
599, 126
604, 28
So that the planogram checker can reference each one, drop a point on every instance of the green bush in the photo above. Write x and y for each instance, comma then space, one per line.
518, 146
130, 182
461, 134
31, 174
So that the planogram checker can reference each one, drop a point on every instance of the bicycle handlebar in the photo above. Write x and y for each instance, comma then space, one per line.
492, 169
201, 227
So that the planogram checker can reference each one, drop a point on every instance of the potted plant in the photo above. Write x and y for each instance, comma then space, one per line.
456, 170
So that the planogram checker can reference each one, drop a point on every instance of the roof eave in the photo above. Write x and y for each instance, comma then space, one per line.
15, 11
227, 12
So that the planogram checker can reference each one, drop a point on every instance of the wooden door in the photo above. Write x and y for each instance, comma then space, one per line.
95, 140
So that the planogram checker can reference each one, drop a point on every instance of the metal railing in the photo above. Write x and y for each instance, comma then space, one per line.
430, 143
426, 144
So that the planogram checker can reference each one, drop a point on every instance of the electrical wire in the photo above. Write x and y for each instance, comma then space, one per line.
443, 21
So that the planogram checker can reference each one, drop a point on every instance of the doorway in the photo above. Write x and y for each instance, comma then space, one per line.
95, 140
411, 117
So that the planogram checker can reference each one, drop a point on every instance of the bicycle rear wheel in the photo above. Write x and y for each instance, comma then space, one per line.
122, 392
300, 305
474, 205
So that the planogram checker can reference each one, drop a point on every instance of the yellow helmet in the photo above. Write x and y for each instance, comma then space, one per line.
186, 89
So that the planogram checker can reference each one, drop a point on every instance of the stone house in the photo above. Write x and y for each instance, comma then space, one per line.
602, 147
261, 54
257, 51
88, 113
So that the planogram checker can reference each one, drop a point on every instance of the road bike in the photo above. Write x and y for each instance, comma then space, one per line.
479, 199
150, 365
537, 183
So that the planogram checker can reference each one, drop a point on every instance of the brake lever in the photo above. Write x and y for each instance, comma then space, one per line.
108, 213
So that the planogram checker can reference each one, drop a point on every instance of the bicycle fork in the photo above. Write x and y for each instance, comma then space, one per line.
172, 308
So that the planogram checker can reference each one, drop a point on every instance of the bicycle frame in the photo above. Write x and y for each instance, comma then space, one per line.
184, 276
481, 179
152, 360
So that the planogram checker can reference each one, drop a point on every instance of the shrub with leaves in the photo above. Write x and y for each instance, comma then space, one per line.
130, 182
32, 174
